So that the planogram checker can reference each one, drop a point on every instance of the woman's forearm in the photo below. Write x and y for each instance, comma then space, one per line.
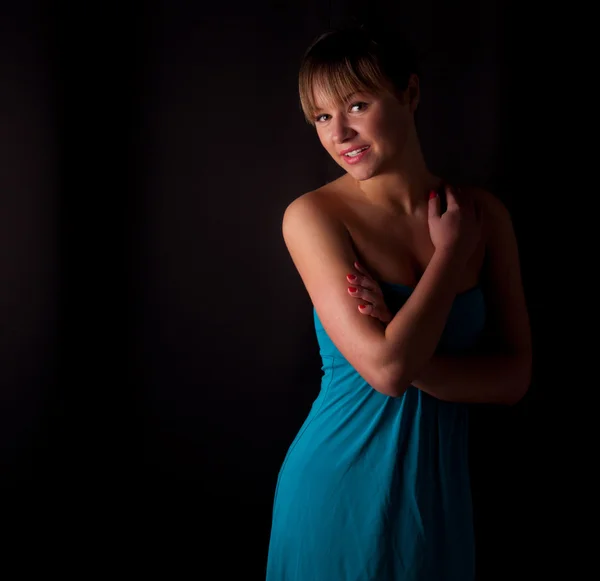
414, 332
480, 378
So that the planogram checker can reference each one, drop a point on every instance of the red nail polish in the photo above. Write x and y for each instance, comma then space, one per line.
351, 276
352, 289
432, 194
362, 306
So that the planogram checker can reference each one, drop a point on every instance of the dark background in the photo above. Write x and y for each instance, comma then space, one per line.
157, 353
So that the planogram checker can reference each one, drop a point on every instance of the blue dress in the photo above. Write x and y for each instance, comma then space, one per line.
376, 488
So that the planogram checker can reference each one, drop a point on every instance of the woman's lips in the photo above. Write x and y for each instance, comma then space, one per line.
356, 158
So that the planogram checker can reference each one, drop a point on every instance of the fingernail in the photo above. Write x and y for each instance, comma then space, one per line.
361, 306
432, 194
351, 276
352, 289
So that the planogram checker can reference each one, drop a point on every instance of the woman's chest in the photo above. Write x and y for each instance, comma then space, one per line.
398, 250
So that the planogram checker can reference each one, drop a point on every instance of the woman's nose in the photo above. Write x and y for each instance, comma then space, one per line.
341, 130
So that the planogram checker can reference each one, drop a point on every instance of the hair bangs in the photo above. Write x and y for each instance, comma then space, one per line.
341, 62
335, 80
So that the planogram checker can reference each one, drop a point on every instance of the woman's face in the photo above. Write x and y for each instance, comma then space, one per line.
379, 123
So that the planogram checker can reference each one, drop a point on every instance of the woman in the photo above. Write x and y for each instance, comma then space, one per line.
418, 308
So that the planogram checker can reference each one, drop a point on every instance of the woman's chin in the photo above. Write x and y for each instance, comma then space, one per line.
361, 173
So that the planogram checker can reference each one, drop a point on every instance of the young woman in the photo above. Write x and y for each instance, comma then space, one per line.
418, 309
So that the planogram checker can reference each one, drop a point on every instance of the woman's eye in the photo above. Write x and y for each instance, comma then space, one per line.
360, 104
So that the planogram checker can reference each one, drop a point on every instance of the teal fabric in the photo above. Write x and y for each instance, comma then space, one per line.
376, 488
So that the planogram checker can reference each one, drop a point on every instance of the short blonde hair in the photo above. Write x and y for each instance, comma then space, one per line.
342, 61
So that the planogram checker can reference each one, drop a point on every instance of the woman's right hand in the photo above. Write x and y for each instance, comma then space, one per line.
458, 229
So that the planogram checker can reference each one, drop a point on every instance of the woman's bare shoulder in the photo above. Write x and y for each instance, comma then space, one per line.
494, 212
327, 199
487, 199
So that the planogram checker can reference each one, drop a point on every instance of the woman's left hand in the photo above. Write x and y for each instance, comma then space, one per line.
369, 292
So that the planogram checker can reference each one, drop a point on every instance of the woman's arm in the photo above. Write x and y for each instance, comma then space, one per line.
386, 357
486, 378
502, 373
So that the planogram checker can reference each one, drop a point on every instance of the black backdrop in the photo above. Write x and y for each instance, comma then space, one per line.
157, 352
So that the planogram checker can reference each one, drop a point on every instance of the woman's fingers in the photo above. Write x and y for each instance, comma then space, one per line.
365, 288
359, 292
381, 313
361, 268
433, 209
362, 281
454, 198
368, 281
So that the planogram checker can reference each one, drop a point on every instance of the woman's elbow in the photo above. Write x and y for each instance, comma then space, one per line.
392, 382
521, 385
